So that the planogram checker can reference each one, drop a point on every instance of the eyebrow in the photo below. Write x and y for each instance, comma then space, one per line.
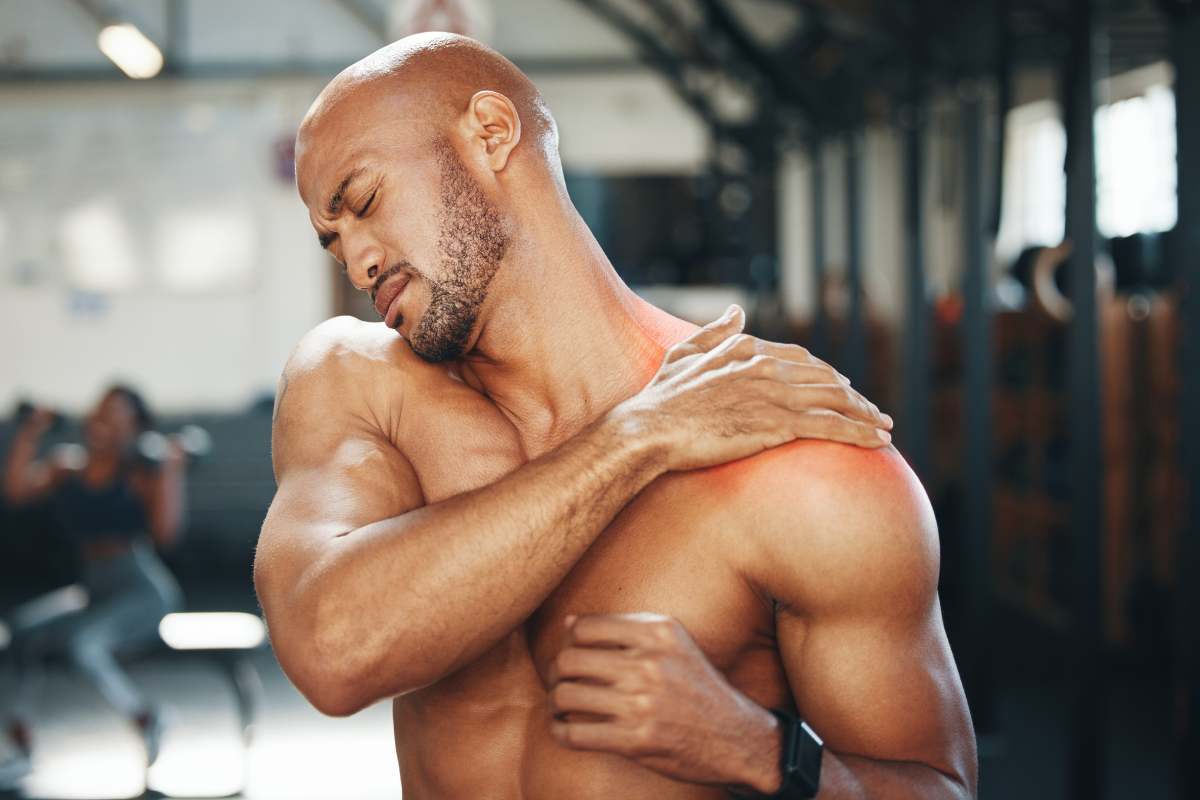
334, 206
339, 195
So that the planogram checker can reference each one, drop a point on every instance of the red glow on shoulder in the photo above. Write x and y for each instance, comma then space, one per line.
843, 464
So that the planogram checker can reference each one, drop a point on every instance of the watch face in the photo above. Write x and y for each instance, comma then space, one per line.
812, 734
809, 749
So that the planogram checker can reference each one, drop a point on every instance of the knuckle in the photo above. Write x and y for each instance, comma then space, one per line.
648, 733
564, 661
665, 630
641, 737
763, 365
741, 344
651, 671
683, 348
643, 704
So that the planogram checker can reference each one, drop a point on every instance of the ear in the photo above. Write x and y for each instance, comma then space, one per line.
494, 127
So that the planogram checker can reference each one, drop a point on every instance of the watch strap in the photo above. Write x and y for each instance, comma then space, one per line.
800, 755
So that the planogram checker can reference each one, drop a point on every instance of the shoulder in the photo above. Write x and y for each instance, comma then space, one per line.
345, 361
345, 343
343, 382
836, 525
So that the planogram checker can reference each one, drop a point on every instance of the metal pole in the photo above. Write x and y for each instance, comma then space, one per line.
855, 354
1185, 52
977, 441
820, 333
915, 431
1083, 381
176, 36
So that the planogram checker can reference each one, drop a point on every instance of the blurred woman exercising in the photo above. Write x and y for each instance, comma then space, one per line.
118, 508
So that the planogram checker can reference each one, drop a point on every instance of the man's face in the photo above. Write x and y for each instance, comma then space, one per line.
405, 216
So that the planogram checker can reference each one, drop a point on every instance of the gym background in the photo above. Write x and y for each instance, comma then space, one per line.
986, 213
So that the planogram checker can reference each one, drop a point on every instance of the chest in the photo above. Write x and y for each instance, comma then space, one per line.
674, 549
671, 552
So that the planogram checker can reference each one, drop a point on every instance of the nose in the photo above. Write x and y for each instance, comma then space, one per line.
363, 260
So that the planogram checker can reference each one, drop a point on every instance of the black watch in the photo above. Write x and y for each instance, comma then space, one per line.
799, 758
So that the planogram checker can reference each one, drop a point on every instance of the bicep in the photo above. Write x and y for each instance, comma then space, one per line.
880, 686
860, 628
336, 472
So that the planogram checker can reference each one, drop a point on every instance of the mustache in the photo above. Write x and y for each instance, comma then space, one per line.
392, 270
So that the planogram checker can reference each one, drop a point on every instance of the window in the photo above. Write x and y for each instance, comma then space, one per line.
1135, 165
209, 250
97, 247
1136, 172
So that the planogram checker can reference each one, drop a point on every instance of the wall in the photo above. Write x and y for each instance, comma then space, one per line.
183, 178
196, 164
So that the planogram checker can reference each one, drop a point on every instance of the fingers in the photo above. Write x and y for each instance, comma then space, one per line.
606, 737
586, 664
571, 697
643, 630
712, 334
835, 427
840, 398
800, 355
742, 347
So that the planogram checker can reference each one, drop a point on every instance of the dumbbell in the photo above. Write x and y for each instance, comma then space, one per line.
151, 448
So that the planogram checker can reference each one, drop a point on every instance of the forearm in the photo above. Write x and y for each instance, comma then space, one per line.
17, 465
402, 602
169, 504
846, 777
851, 777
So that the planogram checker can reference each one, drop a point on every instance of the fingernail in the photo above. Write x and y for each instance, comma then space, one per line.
885, 436
888, 420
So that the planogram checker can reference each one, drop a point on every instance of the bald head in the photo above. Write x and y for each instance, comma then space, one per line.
418, 165
422, 84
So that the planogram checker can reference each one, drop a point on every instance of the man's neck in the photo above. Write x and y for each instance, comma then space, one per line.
564, 339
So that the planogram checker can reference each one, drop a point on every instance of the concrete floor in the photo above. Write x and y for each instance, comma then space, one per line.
84, 750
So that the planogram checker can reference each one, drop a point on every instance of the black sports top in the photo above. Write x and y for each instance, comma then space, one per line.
112, 511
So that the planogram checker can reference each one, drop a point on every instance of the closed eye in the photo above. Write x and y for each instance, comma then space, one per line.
367, 206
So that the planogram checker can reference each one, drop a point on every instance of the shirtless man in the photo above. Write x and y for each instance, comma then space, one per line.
579, 541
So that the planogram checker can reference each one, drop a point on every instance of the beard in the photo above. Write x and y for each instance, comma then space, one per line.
472, 241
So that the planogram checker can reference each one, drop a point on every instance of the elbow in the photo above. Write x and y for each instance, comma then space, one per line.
327, 679
963, 784
341, 673
333, 698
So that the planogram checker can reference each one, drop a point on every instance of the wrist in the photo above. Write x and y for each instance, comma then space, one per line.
763, 775
629, 431
31, 431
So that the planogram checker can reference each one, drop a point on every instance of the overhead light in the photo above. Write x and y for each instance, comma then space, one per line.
212, 630
130, 49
